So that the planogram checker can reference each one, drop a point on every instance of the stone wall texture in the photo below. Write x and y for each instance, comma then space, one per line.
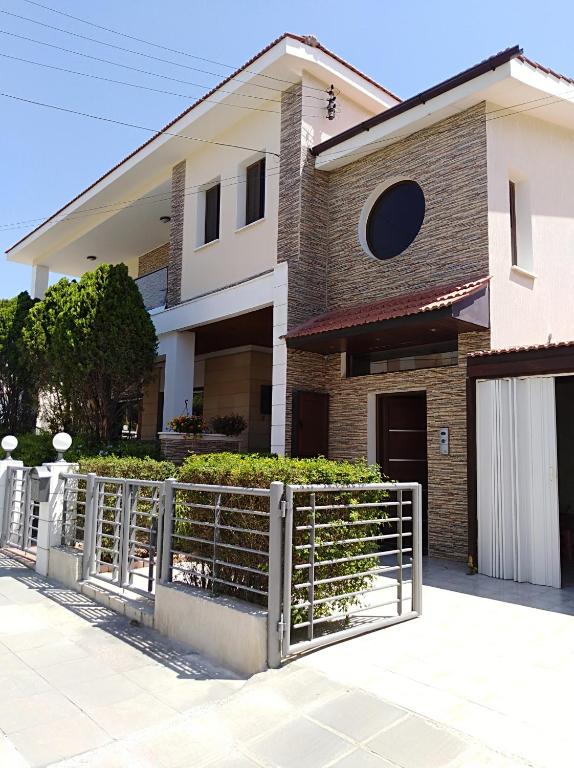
446, 406
176, 234
153, 260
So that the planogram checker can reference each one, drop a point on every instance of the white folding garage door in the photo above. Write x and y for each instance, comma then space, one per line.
517, 480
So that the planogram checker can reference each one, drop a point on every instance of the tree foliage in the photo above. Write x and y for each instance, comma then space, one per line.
18, 386
93, 344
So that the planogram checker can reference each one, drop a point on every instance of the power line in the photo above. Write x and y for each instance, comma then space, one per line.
161, 47
136, 69
135, 125
141, 87
120, 206
136, 53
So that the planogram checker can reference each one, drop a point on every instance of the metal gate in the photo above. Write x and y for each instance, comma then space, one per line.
21, 520
352, 561
117, 522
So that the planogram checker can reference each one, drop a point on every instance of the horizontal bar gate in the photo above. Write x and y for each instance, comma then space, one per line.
327, 561
21, 518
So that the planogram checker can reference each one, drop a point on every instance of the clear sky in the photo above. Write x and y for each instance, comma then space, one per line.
47, 157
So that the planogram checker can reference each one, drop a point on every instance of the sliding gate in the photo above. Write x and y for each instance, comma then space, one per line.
352, 561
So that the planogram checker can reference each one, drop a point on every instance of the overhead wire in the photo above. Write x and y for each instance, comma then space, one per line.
160, 46
135, 52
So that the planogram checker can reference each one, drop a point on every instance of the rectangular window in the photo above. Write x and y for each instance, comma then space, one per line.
513, 235
255, 192
212, 199
434, 355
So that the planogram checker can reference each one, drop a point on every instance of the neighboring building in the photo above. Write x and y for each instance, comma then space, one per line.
281, 268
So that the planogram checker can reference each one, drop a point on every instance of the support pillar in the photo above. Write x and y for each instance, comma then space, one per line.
279, 371
40, 278
179, 351
50, 515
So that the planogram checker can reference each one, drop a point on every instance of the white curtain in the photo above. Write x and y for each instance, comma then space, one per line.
517, 480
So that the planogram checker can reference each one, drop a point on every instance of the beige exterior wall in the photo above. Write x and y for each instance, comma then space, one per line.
148, 418
232, 385
153, 260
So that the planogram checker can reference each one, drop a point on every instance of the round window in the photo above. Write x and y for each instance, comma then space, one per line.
395, 219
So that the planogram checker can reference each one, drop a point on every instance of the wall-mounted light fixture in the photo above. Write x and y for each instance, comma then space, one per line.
91, 258
165, 219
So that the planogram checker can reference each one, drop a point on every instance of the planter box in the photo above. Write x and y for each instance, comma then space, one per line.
176, 446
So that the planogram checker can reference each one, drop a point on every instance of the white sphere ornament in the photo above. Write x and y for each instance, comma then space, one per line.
9, 444
61, 442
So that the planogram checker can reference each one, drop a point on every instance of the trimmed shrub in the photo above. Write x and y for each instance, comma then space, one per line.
127, 466
259, 471
34, 449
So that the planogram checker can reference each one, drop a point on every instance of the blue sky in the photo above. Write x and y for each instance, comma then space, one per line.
47, 157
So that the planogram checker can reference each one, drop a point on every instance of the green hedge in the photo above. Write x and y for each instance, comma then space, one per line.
127, 466
36, 448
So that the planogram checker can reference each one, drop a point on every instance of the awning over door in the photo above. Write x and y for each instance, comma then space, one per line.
429, 316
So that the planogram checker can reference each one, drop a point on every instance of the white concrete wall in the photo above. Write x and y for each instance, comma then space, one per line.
240, 252
531, 308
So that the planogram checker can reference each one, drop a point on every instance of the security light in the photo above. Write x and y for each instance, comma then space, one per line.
61, 442
9, 444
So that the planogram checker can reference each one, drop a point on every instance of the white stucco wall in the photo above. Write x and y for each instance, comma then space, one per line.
240, 252
526, 310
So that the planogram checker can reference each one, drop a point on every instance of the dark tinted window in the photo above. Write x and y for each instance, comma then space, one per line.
255, 193
212, 213
513, 239
395, 219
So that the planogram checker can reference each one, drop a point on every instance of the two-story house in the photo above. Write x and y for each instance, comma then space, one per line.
326, 278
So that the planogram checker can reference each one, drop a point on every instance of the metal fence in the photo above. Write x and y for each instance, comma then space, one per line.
352, 561
328, 562
21, 512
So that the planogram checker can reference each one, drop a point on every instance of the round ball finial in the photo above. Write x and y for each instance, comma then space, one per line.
61, 442
9, 444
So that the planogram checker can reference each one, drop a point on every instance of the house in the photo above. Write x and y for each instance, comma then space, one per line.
327, 278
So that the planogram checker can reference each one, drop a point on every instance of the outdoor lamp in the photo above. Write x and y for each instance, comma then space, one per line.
61, 442
9, 444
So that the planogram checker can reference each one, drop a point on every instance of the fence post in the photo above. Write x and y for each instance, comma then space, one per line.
9, 444
274, 637
50, 515
166, 545
89, 526
417, 554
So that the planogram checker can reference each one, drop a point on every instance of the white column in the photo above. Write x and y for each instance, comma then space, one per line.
50, 515
279, 372
40, 278
179, 351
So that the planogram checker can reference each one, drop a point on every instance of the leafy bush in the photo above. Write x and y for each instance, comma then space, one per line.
34, 449
231, 425
259, 471
127, 466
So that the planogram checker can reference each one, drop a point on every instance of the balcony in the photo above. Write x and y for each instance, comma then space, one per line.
153, 288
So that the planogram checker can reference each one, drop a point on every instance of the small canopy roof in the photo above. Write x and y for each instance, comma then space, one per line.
434, 314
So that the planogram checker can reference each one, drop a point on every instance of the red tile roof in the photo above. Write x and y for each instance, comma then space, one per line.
388, 309
305, 39
513, 350
542, 68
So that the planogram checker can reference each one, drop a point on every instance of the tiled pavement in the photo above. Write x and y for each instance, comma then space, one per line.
80, 686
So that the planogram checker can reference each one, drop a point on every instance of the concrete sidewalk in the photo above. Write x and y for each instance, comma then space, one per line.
81, 686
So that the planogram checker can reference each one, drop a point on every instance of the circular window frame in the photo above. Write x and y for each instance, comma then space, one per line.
368, 207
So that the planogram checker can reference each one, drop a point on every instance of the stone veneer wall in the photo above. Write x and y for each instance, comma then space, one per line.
448, 160
446, 406
153, 260
176, 234
303, 215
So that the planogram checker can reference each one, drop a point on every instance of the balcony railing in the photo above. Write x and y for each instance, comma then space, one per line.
153, 288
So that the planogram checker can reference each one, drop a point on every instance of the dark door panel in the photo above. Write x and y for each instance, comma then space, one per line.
402, 442
310, 432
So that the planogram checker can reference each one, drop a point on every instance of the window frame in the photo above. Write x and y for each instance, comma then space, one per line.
255, 198
216, 224
513, 227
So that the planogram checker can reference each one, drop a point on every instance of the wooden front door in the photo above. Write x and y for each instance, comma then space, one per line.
402, 442
310, 432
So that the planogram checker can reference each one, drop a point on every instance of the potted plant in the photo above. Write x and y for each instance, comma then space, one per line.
230, 426
187, 425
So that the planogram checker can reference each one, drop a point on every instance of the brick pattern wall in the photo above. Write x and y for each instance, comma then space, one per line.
153, 260
303, 215
446, 406
176, 234
448, 160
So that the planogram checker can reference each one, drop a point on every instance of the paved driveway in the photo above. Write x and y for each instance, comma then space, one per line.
80, 686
